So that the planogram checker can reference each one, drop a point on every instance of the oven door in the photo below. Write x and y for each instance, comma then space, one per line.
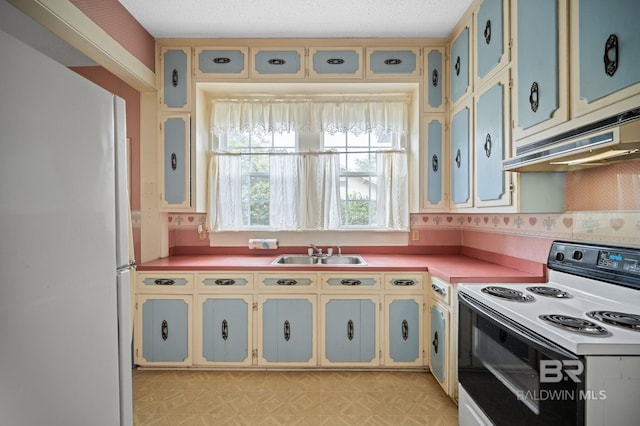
500, 364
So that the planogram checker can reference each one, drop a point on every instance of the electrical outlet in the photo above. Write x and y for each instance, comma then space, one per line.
415, 235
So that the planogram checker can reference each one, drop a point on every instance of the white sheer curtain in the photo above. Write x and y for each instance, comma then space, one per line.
322, 191
224, 205
286, 191
392, 190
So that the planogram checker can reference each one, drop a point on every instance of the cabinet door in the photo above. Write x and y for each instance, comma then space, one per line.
460, 65
278, 63
226, 330
404, 342
541, 61
393, 62
336, 63
227, 62
461, 157
492, 39
434, 80
165, 330
287, 331
438, 359
492, 144
606, 53
175, 93
176, 162
350, 327
434, 165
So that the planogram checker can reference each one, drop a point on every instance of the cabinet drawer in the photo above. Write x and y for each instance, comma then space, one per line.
224, 281
154, 282
440, 290
278, 63
288, 281
344, 62
393, 62
434, 79
229, 62
350, 281
405, 282
175, 78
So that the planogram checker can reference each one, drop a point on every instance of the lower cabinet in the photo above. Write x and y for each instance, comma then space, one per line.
163, 330
349, 330
287, 334
225, 338
403, 330
439, 345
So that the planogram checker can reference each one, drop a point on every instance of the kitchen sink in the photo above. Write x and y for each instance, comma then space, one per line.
300, 259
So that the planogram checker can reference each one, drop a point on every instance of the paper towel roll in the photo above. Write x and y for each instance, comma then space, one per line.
263, 243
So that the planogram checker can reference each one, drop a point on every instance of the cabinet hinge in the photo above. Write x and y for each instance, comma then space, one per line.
254, 354
380, 306
512, 187
424, 307
380, 353
136, 306
510, 83
255, 306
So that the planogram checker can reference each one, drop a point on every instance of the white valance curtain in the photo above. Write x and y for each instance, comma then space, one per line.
331, 115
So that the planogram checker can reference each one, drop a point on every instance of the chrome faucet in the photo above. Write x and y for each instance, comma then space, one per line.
318, 250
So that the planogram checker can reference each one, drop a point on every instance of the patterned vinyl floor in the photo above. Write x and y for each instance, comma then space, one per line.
289, 398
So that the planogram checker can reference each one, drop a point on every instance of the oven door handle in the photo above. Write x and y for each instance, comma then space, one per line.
513, 327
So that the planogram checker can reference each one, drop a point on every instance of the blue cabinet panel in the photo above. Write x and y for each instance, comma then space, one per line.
434, 81
489, 143
345, 62
225, 329
223, 61
275, 62
460, 156
609, 43
538, 66
287, 330
438, 343
460, 65
175, 78
434, 162
175, 161
489, 36
350, 330
404, 329
393, 62
165, 330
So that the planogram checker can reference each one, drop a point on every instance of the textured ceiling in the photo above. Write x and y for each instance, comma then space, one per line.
297, 18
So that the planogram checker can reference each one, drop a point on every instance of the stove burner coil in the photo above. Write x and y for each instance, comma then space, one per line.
577, 325
548, 291
508, 294
618, 319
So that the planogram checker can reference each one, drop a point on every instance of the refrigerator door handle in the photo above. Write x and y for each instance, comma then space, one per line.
126, 267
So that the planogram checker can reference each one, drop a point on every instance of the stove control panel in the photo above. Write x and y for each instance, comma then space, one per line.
618, 265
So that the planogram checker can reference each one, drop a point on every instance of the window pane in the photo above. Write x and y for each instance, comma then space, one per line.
360, 162
237, 140
339, 140
382, 141
284, 140
255, 200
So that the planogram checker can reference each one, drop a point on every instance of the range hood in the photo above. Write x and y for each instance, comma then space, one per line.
604, 142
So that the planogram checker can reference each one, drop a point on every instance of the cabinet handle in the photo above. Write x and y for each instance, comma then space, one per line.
458, 158
404, 283
164, 330
350, 282
277, 61
225, 330
435, 342
438, 290
434, 77
164, 281
457, 66
221, 60
174, 77
393, 61
487, 32
487, 145
405, 330
434, 163
611, 55
335, 61
350, 330
534, 96
287, 331
225, 281
174, 161
286, 282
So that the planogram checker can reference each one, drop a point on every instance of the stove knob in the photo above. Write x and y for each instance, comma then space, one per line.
559, 257
577, 255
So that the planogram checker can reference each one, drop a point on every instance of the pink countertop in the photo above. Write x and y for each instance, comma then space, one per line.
452, 268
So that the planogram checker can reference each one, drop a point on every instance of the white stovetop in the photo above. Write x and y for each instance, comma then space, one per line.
588, 295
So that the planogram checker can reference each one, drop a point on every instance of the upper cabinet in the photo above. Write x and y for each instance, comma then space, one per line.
491, 39
221, 62
175, 78
434, 79
541, 95
459, 64
175, 153
278, 63
461, 156
434, 167
393, 62
605, 54
336, 62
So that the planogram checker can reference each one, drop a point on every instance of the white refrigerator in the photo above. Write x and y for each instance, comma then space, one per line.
65, 339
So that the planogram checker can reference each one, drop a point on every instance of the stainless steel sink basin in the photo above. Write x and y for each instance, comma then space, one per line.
300, 259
